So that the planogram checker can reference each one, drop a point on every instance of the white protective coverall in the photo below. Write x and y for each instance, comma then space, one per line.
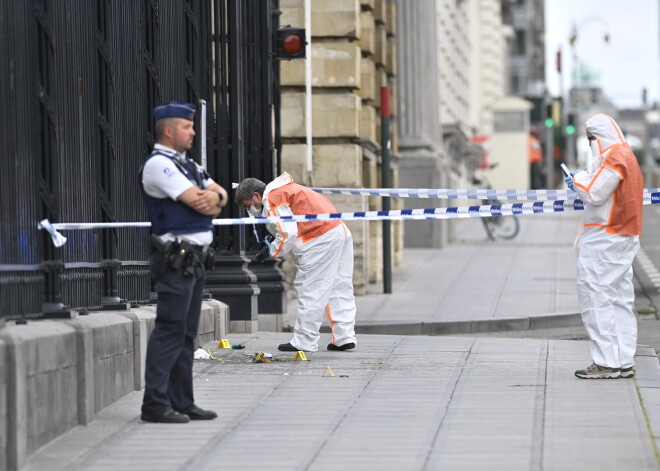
612, 222
323, 254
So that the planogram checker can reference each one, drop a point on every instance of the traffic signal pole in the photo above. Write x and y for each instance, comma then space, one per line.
570, 151
549, 145
550, 157
385, 145
569, 129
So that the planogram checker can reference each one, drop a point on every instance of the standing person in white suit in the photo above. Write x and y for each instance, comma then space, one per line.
612, 192
322, 252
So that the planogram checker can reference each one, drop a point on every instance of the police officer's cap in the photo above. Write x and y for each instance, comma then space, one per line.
175, 109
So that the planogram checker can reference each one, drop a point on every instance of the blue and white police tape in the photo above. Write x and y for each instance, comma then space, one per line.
508, 209
58, 239
467, 194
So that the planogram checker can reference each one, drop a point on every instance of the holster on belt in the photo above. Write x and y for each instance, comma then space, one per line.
161, 253
209, 262
180, 256
188, 256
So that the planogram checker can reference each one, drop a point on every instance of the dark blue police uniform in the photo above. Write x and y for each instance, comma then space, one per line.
168, 369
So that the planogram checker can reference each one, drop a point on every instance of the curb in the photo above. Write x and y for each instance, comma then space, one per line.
502, 324
648, 286
647, 384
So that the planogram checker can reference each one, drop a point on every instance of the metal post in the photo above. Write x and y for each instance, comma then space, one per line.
550, 158
308, 93
570, 150
202, 129
566, 112
651, 121
387, 183
277, 97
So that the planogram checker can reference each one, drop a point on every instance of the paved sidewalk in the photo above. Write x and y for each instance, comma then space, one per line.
396, 402
478, 285
409, 402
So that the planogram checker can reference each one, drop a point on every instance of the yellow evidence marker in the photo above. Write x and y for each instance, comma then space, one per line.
328, 370
261, 358
300, 356
211, 354
224, 343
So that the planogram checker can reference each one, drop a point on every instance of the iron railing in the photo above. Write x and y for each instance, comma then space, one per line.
78, 83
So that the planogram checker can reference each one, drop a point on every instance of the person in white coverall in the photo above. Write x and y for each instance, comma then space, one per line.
322, 252
612, 192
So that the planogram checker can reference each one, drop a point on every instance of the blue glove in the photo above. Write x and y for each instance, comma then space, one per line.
268, 241
569, 182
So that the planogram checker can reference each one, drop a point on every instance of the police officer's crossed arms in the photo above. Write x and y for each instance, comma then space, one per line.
208, 201
182, 201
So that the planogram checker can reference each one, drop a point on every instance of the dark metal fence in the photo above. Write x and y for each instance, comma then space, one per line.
78, 82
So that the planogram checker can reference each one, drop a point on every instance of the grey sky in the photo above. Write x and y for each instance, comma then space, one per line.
624, 66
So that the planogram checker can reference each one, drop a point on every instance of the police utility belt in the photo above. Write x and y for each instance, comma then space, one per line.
174, 256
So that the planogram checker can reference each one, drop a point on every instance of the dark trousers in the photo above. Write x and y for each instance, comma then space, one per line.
537, 176
168, 369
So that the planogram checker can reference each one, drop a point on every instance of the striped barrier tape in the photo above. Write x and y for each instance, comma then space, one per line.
463, 194
508, 209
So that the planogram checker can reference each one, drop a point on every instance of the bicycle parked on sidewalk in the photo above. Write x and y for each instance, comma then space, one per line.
496, 227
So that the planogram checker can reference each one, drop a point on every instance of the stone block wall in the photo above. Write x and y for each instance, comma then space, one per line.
42, 393
353, 53
3, 404
57, 374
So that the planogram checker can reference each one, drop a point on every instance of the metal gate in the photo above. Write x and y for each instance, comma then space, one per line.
78, 84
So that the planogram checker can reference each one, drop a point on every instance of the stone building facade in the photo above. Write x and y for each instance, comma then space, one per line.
353, 55
490, 59
453, 66
455, 61
423, 162
527, 52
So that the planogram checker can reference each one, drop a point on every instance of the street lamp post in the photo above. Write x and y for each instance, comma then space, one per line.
651, 121
573, 100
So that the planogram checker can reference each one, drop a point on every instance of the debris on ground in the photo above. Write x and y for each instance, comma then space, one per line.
262, 357
201, 354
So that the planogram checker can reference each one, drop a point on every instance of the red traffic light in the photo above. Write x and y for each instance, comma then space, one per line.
290, 43
558, 64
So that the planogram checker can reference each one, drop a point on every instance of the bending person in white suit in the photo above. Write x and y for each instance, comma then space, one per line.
322, 252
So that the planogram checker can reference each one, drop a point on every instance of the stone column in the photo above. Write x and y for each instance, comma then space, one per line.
422, 163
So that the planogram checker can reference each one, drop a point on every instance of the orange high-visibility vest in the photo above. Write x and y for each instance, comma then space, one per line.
303, 200
535, 152
628, 198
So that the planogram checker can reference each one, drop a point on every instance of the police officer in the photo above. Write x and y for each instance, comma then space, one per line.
181, 200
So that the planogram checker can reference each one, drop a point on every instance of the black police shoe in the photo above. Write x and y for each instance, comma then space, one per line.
168, 417
341, 348
197, 413
287, 347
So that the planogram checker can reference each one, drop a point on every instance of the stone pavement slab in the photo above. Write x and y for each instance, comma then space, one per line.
478, 285
395, 402
476, 278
